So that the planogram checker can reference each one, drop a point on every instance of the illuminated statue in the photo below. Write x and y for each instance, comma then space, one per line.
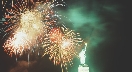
82, 66
82, 55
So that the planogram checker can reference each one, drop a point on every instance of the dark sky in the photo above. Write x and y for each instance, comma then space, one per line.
101, 23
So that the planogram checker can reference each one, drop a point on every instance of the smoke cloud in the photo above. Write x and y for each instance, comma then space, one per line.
22, 66
88, 23
96, 22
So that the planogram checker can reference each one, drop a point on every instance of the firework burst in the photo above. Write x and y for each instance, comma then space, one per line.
63, 46
27, 28
16, 44
27, 34
31, 18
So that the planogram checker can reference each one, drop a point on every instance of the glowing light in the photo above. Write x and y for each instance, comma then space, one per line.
65, 44
19, 39
16, 44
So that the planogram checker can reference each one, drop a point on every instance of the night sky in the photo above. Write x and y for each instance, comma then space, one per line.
101, 23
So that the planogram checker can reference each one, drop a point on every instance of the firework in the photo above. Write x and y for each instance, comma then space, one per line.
16, 44
63, 46
31, 24
26, 27
32, 27
17, 9
29, 17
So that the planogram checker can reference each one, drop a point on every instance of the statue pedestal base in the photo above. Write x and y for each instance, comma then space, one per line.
83, 68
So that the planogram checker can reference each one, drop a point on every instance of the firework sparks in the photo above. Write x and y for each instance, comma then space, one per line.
31, 23
16, 44
63, 50
29, 28
32, 18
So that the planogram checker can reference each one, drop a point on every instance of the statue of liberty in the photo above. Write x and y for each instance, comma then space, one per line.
82, 55
83, 67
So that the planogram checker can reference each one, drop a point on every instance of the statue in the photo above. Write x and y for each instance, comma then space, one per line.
82, 55
83, 67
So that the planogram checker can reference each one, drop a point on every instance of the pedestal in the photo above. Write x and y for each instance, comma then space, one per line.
83, 68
